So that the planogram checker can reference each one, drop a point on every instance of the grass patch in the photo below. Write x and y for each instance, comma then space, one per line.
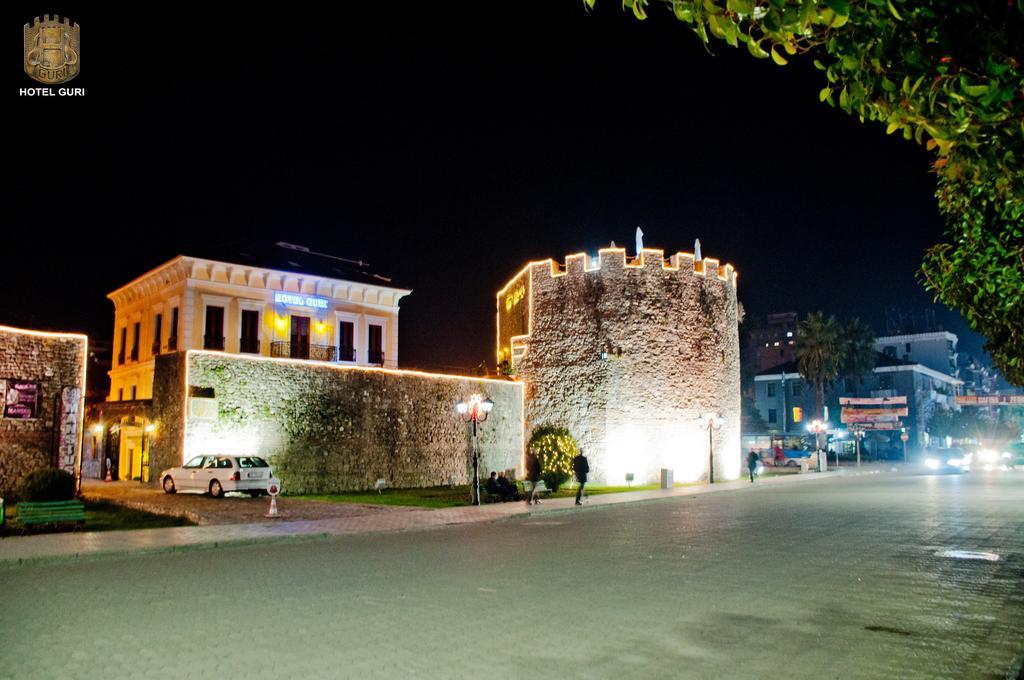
570, 491
450, 496
99, 516
433, 497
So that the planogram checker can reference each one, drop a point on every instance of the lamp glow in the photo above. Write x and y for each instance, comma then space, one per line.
475, 410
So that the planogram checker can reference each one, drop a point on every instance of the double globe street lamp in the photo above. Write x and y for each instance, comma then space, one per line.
819, 427
475, 409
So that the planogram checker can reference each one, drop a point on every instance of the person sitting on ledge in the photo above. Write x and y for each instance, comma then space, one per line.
491, 486
508, 490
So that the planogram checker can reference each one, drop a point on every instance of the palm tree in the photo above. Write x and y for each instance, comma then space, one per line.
858, 340
819, 352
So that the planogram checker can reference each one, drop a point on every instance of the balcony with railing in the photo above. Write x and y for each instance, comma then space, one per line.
213, 342
249, 345
347, 354
156, 348
300, 350
135, 353
375, 357
172, 343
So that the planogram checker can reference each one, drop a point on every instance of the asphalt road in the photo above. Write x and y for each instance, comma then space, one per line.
831, 579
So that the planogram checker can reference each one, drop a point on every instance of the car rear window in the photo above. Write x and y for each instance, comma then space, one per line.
252, 462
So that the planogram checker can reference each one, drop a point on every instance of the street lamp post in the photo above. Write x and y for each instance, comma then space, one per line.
475, 409
818, 427
711, 422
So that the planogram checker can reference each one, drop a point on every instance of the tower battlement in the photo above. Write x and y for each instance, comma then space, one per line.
47, 21
616, 259
627, 352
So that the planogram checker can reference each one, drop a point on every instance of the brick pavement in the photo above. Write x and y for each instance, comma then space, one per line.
348, 519
835, 579
233, 509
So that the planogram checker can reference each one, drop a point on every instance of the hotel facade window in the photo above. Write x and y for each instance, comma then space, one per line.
258, 311
121, 345
172, 336
249, 342
213, 337
346, 341
375, 344
136, 334
158, 322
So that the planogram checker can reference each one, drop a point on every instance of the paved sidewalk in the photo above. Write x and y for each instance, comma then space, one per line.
75, 545
236, 509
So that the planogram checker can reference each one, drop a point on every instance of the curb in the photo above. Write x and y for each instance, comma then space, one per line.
688, 493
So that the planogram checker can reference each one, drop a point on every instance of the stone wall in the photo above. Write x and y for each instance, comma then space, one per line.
56, 361
329, 428
627, 355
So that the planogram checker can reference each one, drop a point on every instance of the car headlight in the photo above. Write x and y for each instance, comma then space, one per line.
988, 456
931, 464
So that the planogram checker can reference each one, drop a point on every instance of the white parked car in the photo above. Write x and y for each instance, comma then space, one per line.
217, 475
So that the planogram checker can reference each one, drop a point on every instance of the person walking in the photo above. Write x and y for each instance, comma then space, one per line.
752, 460
532, 475
581, 467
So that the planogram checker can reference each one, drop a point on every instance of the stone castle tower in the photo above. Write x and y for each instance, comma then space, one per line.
627, 353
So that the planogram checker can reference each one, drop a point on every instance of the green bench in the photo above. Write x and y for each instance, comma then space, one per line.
542, 489
51, 512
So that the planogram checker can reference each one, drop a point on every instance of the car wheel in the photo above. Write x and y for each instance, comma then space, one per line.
216, 490
255, 494
169, 485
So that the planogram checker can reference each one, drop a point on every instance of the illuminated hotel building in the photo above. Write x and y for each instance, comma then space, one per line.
285, 302
299, 313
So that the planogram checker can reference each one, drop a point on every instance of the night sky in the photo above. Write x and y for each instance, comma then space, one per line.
447, 144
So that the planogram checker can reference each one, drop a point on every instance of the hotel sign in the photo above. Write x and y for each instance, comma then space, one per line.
20, 399
313, 301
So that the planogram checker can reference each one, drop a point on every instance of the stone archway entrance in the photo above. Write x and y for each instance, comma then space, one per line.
121, 427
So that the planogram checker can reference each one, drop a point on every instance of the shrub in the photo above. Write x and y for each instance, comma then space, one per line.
555, 448
48, 484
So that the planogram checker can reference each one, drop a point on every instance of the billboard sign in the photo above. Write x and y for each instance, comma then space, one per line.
994, 400
20, 399
872, 401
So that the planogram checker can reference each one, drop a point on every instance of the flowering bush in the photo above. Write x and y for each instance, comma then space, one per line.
555, 448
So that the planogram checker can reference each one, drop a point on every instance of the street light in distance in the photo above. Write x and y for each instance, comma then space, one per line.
711, 422
475, 409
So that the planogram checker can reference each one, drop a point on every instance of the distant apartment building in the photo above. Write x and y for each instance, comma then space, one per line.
978, 378
774, 343
786, 402
936, 350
